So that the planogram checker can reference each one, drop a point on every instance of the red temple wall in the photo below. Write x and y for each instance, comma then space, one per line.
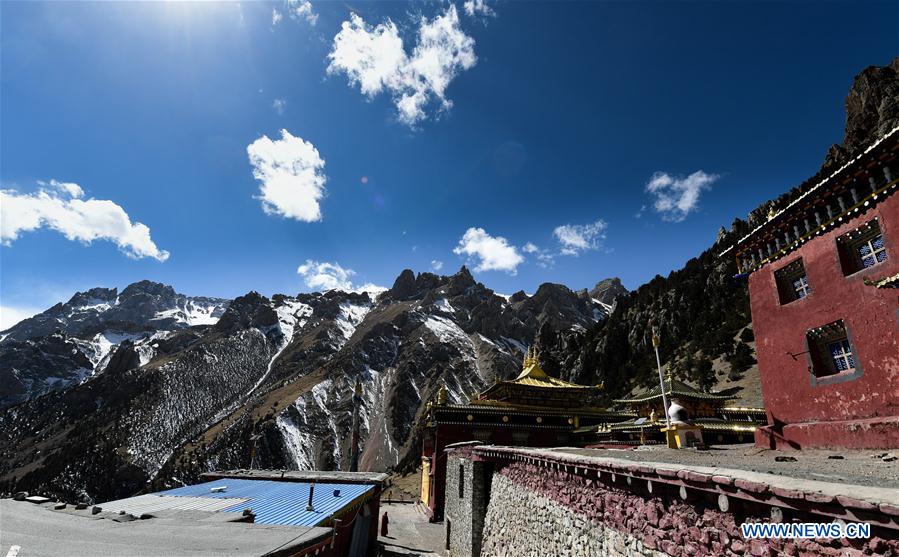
869, 403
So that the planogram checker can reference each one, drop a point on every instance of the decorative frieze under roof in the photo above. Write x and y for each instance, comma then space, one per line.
850, 191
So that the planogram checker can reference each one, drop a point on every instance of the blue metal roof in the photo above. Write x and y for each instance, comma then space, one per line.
275, 502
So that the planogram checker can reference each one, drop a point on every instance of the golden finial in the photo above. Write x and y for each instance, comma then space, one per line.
441, 395
771, 213
530, 358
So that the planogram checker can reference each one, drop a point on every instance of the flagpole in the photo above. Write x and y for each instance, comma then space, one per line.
655, 344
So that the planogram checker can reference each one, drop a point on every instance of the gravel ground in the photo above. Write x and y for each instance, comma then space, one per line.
856, 467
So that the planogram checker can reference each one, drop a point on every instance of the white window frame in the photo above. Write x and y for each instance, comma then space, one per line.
845, 354
873, 253
803, 289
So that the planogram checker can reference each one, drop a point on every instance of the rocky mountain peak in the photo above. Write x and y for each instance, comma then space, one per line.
461, 281
408, 286
250, 310
148, 288
606, 291
93, 296
403, 286
872, 110
519, 296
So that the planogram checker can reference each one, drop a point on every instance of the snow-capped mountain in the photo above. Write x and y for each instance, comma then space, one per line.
74, 341
121, 389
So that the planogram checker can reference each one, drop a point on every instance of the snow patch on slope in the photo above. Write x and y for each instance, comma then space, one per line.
103, 344
299, 443
349, 318
292, 315
443, 305
193, 313
446, 330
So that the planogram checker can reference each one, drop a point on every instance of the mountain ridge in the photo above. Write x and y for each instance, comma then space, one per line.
271, 377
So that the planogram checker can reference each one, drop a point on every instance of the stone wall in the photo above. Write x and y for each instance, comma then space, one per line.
524, 523
547, 504
467, 493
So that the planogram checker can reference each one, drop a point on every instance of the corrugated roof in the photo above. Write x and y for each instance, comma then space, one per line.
275, 502
153, 502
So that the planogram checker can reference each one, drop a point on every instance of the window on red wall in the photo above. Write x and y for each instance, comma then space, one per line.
792, 282
830, 350
862, 248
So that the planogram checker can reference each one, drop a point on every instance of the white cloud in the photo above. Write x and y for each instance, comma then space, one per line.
292, 176
675, 197
279, 105
276, 16
73, 190
578, 238
494, 253
375, 59
302, 9
436, 264
59, 206
324, 276
478, 7
10, 316
545, 259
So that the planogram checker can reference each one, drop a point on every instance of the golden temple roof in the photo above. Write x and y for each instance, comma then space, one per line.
533, 377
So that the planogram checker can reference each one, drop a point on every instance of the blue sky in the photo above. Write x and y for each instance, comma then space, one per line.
563, 142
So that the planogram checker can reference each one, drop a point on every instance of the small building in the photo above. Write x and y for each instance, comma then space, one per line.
823, 273
325, 514
720, 424
531, 410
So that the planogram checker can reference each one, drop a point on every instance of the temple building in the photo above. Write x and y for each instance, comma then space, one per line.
531, 410
823, 273
719, 424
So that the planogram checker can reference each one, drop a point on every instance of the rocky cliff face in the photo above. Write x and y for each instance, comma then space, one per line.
608, 290
269, 383
872, 110
71, 342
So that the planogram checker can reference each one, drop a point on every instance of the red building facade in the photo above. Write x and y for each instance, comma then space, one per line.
825, 309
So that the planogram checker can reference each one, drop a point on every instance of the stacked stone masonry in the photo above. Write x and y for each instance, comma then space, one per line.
544, 509
465, 506
522, 523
